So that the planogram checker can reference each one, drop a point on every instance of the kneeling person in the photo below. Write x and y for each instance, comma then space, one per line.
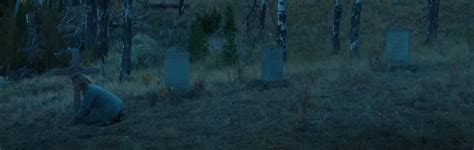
99, 106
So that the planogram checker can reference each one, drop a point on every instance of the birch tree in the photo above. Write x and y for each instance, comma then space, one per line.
355, 28
17, 8
263, 13
282, 27
32, 29
181, 7
432, 16
127, 41
336, 44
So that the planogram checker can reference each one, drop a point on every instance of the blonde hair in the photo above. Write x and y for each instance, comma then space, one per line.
79, 78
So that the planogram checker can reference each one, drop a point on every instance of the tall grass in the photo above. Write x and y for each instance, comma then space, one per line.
348, 104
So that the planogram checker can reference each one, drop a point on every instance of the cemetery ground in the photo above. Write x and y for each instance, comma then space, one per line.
331, 102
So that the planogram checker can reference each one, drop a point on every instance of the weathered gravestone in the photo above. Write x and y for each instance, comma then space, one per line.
73, 69
177, 71
398, 47
272, 59
272, 64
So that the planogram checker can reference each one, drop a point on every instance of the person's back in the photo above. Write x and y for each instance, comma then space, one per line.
104, 105
99, 106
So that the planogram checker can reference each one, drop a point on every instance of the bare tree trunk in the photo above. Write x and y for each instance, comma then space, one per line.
17, 8
432, 16
127, 41
355, 28
282, 27
103, 27
91, 27
336, 44
32, 26
71, 3
181, 7
55, 4
83, 24
68, 3
263, 13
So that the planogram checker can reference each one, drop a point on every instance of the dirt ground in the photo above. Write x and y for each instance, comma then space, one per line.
389, 110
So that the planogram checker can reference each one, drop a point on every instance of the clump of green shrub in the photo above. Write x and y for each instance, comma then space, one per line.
205, 25
210, 21
11, 37
198, 44
230, 56
16, 53
50, 43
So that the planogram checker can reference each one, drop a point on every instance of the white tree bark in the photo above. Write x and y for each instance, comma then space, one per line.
336, 26
355, 28
432, 16
282, 27
181, 7
17, 7
127, 41
263, 12
32, 31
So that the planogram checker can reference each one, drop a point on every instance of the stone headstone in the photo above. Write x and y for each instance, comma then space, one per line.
177, 71
272, 64
398, 47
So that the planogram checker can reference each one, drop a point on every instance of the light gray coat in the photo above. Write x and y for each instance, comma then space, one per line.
99, 106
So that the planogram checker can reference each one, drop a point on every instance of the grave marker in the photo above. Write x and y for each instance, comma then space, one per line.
398, 47
73, 69
177, 71
272, 64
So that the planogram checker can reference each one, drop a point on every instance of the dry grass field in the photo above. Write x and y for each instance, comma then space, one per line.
332, 102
